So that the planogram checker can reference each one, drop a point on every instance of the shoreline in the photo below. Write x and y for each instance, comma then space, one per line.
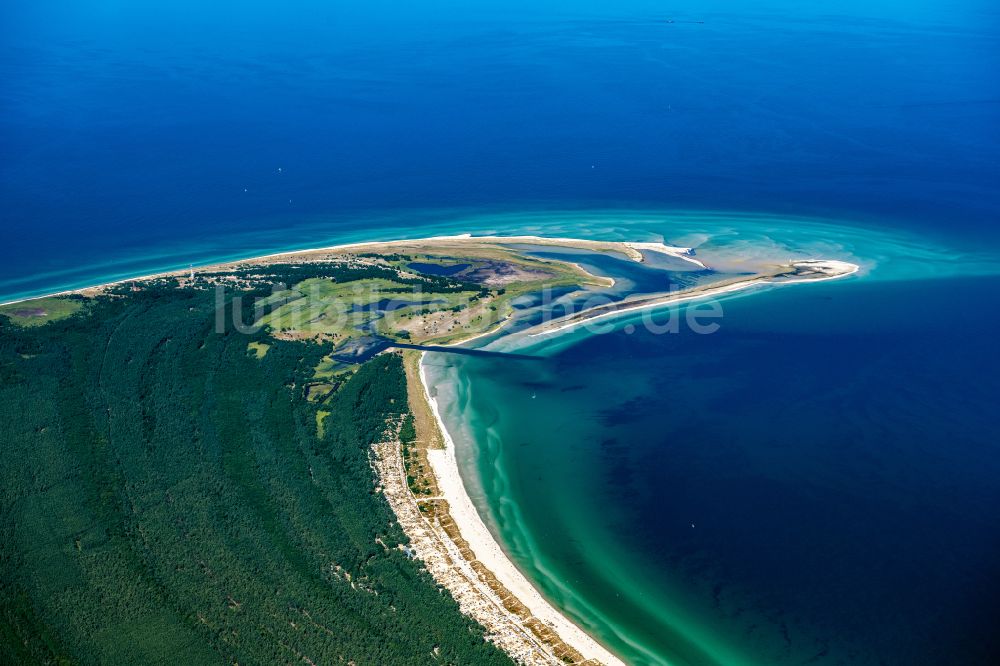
843, 269
485, 548
488, 551
633, 251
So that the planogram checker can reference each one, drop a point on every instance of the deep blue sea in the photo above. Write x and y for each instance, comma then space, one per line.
815, 483
145, 135
835, 446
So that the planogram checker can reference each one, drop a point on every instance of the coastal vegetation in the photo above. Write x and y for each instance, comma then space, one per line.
172, 493
41, 310
416, 294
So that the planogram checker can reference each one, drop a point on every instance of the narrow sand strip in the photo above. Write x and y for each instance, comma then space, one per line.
488, 551
632, 250
823, 270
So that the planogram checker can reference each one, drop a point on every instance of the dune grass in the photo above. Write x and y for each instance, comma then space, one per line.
41, 310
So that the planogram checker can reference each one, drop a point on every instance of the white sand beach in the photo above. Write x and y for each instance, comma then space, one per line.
632, 250
489, 552
819, 270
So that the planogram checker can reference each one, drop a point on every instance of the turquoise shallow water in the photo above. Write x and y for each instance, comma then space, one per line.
896, 252
814, 483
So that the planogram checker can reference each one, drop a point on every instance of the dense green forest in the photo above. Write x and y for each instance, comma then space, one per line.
166, 499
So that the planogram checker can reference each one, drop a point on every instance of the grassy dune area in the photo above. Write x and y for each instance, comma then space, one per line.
371, 299
404, 299
341, 311
41, 310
